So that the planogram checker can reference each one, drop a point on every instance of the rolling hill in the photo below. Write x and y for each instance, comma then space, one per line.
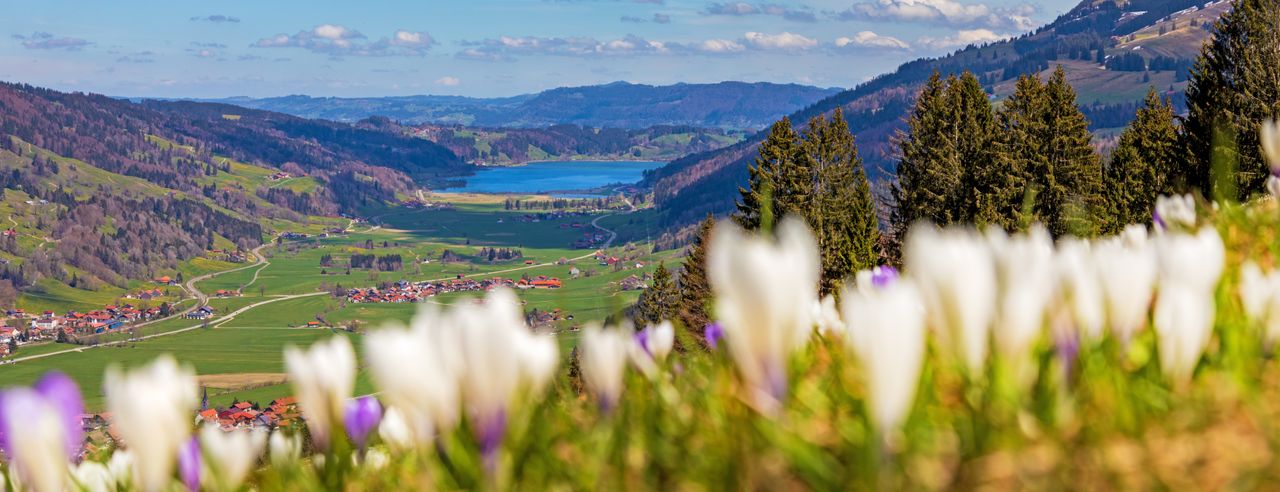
1112, 50
99, 193
726, 105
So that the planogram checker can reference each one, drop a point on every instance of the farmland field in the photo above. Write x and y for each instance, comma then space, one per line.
248, 332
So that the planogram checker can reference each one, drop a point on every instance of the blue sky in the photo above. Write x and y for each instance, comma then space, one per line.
481, 47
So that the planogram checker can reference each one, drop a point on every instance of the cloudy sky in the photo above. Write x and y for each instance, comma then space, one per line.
480, 47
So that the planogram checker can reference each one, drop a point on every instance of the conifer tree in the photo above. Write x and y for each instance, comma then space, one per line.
1234, 87
770, 176
839, 207
973, 132
1070, 197
658, 302
1047, 170
695, 289
1146, 153
928, 170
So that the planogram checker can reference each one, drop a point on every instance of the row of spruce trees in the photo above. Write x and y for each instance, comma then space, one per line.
1029, 159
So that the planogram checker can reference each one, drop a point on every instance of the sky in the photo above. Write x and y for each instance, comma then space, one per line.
481, 48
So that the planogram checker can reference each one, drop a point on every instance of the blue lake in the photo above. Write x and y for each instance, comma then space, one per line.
554, 176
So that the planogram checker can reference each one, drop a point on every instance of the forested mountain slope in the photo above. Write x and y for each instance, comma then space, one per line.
1112, 50
728, 105
96, 191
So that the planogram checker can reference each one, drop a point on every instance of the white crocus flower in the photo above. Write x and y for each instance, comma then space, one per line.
886, 330
412, 376
323, 377
1175, 212
1273, 186
284, 449
955, 273
1270, 138
498, 360
1027, 279
1127, 274
230, 455
1190, 266
660, 339
764, 291
36, 446
121, 467
151, 409
1260, 295
395, 432
826, 316
1080, 289
604, 362
91, 476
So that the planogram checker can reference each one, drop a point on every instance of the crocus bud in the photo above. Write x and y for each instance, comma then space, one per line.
1270, 138
151, 408
32, 438
360, 418
1190, 266
189, 467
230, 455
1174, 212
765, 291
956, 275
323, 377
604, 361
886, 330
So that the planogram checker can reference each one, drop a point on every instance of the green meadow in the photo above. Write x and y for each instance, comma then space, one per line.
280, 297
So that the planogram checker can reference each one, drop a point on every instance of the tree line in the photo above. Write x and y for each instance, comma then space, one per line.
963, 160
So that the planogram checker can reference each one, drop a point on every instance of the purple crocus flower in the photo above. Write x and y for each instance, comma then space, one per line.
63, 394
1066, 346
642, 339
883, 276
189, 464
713, 333
1155, 218
361, 417
490, 430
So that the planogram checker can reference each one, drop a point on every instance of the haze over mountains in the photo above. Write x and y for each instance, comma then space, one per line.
727, 105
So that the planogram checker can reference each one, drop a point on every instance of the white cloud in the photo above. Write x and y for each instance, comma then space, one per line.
783, 41
720, 46
868, 39
448, 81
942, 12
961, 38
336, 40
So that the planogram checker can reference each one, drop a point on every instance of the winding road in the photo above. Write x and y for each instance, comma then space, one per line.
262, 263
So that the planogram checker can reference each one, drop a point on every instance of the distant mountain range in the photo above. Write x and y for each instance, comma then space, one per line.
725, 105
1112, 50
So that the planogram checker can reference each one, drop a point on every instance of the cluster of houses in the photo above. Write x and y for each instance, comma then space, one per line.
282, 412
230, 256
279, 175
404, 291
21, 328
590, 239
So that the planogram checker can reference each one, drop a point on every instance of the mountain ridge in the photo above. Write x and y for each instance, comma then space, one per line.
726, 105
1090, 41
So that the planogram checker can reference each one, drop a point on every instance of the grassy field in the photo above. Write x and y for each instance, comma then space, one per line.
249, 347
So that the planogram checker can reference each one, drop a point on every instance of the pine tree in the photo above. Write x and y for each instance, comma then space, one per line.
928, 169
695, 289
1046, 169
1234, 87
1140, 165
778, 156
839, 206
657, 303
972, 130
1070, 197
